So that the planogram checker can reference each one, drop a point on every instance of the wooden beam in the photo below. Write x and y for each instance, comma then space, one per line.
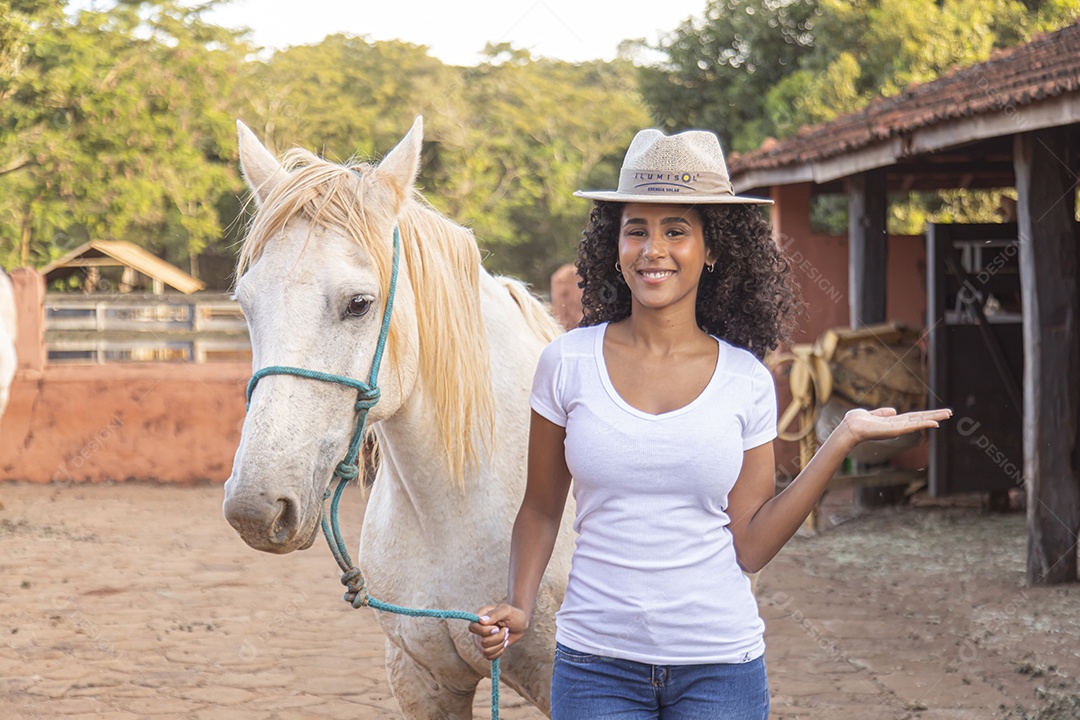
993, 125
1059, 111
846, 165
93, 262
1049, 255
867, 248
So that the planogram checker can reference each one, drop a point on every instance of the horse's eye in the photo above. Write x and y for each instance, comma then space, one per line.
358, 306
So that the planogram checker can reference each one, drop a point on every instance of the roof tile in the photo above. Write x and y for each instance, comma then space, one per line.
1046, 67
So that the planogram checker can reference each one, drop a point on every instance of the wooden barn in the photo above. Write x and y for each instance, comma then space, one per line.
1000, 301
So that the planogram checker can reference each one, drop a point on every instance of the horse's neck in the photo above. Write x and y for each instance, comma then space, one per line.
414, 468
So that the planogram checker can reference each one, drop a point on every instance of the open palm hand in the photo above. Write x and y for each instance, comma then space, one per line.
883, 423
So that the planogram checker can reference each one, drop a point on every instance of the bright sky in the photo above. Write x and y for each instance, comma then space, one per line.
455, 31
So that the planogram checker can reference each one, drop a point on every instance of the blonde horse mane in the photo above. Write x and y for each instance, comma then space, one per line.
443, 264
537, 317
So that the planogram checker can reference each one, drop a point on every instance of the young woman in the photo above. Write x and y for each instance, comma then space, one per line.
660, 409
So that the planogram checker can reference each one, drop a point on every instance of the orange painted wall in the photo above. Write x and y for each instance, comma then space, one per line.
165, 422
820, 267
170, 422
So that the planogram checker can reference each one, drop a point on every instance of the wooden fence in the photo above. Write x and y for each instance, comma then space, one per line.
100, 409
198, 328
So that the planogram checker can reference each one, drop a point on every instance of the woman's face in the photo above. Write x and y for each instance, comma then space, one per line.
662, 253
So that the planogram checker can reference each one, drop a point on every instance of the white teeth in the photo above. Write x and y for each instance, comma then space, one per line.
655, 273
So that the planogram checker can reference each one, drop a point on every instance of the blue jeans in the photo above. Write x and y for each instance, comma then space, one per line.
592, 687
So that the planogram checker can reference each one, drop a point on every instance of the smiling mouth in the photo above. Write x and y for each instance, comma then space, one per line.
655, 274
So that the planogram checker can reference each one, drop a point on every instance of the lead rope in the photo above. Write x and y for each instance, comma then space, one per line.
367, 395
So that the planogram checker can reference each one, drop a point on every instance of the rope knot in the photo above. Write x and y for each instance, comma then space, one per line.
367, 399
355, 594
347, 471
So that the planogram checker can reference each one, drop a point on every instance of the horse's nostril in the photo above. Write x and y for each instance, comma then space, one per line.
285, 522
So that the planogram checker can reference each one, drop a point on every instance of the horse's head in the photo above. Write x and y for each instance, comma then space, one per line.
314, 277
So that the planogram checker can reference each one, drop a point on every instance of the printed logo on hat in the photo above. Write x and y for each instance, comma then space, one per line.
665, 182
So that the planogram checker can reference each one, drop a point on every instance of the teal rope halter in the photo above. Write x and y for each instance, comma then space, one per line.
367, 395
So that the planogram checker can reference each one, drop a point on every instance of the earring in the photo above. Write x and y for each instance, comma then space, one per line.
709, 266
618, 266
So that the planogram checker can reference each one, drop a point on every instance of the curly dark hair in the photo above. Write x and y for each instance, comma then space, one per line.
750, 301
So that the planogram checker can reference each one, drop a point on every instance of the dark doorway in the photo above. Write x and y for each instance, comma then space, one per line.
976, 355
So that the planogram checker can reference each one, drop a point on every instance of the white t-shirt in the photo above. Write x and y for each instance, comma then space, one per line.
654, 576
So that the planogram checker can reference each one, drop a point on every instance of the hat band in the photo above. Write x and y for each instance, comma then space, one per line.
651, 183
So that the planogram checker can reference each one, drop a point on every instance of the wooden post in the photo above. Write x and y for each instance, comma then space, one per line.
867, 262
867, 247
1049, 254
29, 288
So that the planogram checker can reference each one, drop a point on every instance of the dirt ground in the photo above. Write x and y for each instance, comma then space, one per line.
136, 601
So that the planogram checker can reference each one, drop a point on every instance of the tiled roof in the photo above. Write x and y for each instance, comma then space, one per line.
1044, 68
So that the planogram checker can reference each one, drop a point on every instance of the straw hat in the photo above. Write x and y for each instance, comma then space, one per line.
687, 168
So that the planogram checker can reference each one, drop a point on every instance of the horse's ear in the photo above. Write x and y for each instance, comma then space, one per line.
261, 169
402, 164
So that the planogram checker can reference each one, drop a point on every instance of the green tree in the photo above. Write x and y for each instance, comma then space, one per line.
535, 131
865, 50
119, 127
751, 69
832, 57
342, 97
21, 21
718, 70
505, 143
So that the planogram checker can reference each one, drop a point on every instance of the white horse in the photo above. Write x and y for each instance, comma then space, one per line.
8, 329
451, 423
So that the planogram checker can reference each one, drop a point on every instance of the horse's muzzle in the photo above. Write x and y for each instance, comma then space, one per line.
270, 525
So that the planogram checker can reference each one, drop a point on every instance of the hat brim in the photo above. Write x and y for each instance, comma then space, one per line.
614, 196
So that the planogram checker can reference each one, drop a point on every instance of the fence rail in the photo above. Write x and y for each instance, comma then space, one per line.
203, 327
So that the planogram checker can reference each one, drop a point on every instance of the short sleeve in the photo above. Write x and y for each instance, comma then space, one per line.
761, 426
547, 389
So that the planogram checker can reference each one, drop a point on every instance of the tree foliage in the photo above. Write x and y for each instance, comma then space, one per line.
118, 123
547, 129
718, 69
117, 127
752, 69
505, 143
